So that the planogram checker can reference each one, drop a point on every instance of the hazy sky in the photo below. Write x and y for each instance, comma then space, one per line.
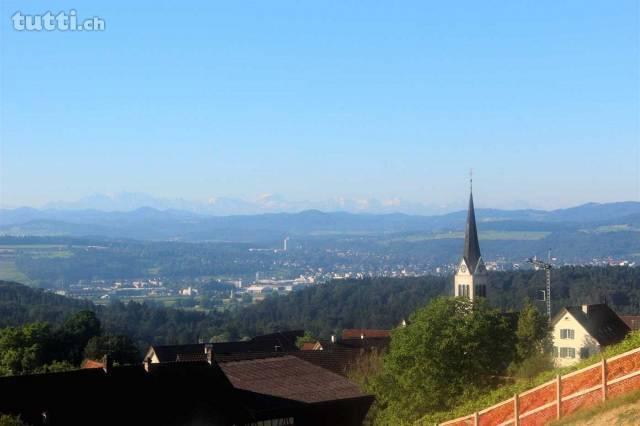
314, 100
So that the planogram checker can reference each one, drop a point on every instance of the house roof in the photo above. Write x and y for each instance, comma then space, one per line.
366, 343
308, 346
90, 363
357, 333
275, 342
340, 356
632, 321
600, 321
471, 244
291, 378
167, 394
262, 386
338, 361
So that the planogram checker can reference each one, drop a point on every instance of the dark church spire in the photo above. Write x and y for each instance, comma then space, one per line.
471, 245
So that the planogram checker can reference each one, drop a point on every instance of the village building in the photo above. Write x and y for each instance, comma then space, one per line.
581, 331
247, 383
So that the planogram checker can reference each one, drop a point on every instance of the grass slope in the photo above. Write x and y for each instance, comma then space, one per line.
621, 411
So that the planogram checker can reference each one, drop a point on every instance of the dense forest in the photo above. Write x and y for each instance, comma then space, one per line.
323, 309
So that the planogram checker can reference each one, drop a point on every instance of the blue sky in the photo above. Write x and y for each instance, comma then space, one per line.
316, 100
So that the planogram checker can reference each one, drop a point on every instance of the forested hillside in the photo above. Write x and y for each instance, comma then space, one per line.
20, 304
324, 309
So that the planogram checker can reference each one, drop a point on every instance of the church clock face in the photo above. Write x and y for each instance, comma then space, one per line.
463, 268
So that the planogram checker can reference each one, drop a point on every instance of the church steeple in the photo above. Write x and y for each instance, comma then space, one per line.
471, 276
471, 245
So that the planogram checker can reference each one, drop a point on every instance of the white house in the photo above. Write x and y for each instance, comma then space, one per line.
581, 331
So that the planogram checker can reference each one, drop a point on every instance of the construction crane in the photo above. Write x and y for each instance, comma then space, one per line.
547, 266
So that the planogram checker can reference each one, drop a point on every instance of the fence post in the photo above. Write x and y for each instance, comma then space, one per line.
476, 419
604, 379
516, 410
558, 396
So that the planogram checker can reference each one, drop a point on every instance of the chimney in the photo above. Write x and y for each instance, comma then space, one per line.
333, 338
208, 350
107, 363
585, 309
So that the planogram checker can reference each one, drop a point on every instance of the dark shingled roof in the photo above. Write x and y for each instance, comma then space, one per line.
356, 333
600, 321
291, 378
275, 342
340, 356
188, 393
633, 321
471, 244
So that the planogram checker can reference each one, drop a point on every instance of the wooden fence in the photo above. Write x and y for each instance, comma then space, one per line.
563, 395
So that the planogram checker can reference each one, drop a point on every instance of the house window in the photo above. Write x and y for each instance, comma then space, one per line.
481, 291
567, 333
567, 353
584, 353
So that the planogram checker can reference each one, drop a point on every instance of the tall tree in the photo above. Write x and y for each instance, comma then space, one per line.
532, 333
76, 333
120, 348
450, 348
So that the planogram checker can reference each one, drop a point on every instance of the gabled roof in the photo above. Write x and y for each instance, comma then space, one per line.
340, 356
178, 393
600, 321
291, 378
471, 244
308, 346
275, 342
90, 363
170, 353
357, 333
633, 321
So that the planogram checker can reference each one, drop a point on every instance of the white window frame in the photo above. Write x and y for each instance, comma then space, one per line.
567, 333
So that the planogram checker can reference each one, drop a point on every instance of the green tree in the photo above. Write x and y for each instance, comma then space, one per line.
6, 420
82, 325
532, 333
532, 344
23, 349
450, 348
76, 332
120, 348
306, 338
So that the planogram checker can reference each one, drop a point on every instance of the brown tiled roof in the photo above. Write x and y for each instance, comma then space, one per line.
308, 346
340, 356
291, 378
338, 361
633, 321
357, 333
90, 363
